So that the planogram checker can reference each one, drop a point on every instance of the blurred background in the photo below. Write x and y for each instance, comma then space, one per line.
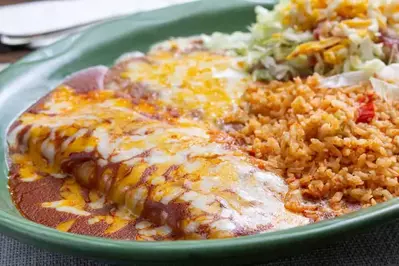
6, 53
29, 25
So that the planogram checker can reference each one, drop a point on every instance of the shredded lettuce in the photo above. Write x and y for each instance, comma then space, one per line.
270, 42
387, 91
389, 73
345, 79
385, 82
236, 42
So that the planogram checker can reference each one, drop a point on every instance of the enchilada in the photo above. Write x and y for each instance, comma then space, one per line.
103, 158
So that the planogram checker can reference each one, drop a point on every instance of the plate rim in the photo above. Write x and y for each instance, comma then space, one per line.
27, 231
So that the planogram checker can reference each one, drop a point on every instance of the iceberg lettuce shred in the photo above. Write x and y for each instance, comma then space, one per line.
302, 37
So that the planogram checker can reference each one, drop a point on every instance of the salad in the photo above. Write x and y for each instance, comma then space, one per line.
328, 37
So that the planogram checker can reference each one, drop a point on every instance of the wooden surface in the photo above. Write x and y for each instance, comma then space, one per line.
7, 54
11, 2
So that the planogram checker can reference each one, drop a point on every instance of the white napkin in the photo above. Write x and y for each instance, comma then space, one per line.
47, 16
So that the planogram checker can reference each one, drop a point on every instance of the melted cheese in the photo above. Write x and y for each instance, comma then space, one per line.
72, 202
116, 225
171, 162
65, 226
199, 81
64, 206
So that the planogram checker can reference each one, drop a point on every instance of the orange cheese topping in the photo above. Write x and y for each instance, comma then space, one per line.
129, 164
209, 83
153, 168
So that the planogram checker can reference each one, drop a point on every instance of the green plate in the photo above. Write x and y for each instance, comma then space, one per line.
33, 76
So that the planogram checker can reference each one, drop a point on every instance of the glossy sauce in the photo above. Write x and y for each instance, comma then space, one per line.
136, 161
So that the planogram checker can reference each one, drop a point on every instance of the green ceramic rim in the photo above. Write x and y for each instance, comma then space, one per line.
266, 243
